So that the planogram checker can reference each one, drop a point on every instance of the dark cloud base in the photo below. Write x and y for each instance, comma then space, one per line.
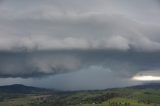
41, 63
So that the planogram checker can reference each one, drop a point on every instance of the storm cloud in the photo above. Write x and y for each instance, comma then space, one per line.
42, 63
43, 38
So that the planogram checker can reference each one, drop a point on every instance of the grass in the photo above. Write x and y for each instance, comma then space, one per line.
120, 100
135, 97
15, 102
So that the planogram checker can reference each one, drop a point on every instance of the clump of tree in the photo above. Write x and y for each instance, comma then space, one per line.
119, 104
101, 98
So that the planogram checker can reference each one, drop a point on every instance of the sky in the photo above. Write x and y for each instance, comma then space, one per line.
79, 44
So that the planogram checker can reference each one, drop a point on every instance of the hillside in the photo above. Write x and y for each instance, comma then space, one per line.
139, 95
18, 88
147, 86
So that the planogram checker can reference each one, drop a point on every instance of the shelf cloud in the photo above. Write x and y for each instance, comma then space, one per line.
43, 38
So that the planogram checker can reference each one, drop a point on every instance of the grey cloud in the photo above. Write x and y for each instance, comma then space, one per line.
40, 38
92, 31
50, 27
35, 65
42, 63
77, 69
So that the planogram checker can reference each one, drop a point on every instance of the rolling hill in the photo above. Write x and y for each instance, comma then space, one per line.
147, 94
18, 88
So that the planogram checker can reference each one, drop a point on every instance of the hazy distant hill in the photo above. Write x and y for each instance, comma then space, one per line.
18, 88
147, 85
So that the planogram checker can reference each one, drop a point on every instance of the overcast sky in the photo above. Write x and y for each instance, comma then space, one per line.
78, 44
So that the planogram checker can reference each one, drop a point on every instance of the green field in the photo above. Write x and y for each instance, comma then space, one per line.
112, 97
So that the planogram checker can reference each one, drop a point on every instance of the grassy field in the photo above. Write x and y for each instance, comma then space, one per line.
26, 100
112, 97
16, 102
121, 102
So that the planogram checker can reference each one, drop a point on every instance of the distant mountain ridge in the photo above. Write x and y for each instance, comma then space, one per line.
19, 88
147, 85
23, 89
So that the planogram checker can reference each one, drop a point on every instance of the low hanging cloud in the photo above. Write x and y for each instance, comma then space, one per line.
36, 64
42, 63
